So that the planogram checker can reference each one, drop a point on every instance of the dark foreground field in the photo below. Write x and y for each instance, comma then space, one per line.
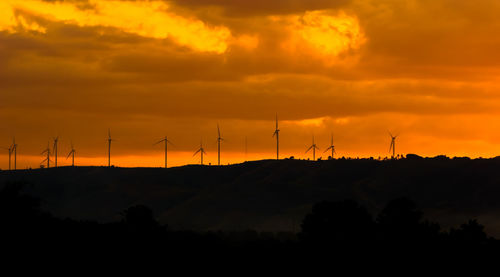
269, 195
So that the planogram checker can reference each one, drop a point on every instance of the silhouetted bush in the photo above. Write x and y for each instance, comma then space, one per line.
413, 157
469, 233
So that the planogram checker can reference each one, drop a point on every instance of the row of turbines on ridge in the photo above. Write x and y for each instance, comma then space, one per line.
54, 151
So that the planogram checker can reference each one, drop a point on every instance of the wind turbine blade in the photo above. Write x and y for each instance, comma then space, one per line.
168, 141
159, 141
197, 151
309, 148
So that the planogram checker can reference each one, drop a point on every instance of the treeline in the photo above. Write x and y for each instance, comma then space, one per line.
339, 227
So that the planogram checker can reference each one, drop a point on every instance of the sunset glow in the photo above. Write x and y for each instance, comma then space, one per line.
427, 70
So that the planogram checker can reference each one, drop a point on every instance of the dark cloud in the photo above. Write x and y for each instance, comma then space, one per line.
234, 8
80, 4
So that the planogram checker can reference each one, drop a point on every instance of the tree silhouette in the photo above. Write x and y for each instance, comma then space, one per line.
401, 221
140, 219
17, 209
342, 222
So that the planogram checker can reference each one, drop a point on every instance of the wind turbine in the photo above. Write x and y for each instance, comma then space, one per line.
246, 148
166, 141
201, 150
54, 150
219, 139
277, 134
72, 154
13, 149
393, 145
331, 147
47, 151
313, 147
109, 147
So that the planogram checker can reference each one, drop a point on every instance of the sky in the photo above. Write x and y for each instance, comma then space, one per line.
427, 70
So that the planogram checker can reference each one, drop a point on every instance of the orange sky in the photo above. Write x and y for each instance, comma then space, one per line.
425, 69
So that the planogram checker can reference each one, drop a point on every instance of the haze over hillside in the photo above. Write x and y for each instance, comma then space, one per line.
269, 195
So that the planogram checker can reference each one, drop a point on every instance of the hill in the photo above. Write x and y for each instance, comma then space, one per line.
269, 195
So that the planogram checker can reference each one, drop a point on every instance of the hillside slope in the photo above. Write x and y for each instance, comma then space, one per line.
269, 195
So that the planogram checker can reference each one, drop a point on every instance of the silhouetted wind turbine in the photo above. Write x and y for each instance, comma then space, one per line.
54, 150
109, 147
72, 154
246, 149
201, 150
166, 141
219, 139
313, 147
393, 145
47, 151
13, 149
331, 147
277, 134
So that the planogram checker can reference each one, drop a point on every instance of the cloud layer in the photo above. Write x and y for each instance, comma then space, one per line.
425, 69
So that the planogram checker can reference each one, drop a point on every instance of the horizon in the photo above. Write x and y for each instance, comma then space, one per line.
157, 165
426, 70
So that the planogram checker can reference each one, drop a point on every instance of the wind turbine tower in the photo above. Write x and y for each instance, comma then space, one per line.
219, 139
277, 135
47, 151
54, 150
201, 150
72, 154
166, 141
313, 147
331, 147
109, 147
392, 147
246, 148
13, 149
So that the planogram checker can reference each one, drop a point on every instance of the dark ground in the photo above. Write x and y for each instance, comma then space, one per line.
270, 195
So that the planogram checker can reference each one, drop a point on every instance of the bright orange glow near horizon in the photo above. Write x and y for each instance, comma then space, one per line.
427, 70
